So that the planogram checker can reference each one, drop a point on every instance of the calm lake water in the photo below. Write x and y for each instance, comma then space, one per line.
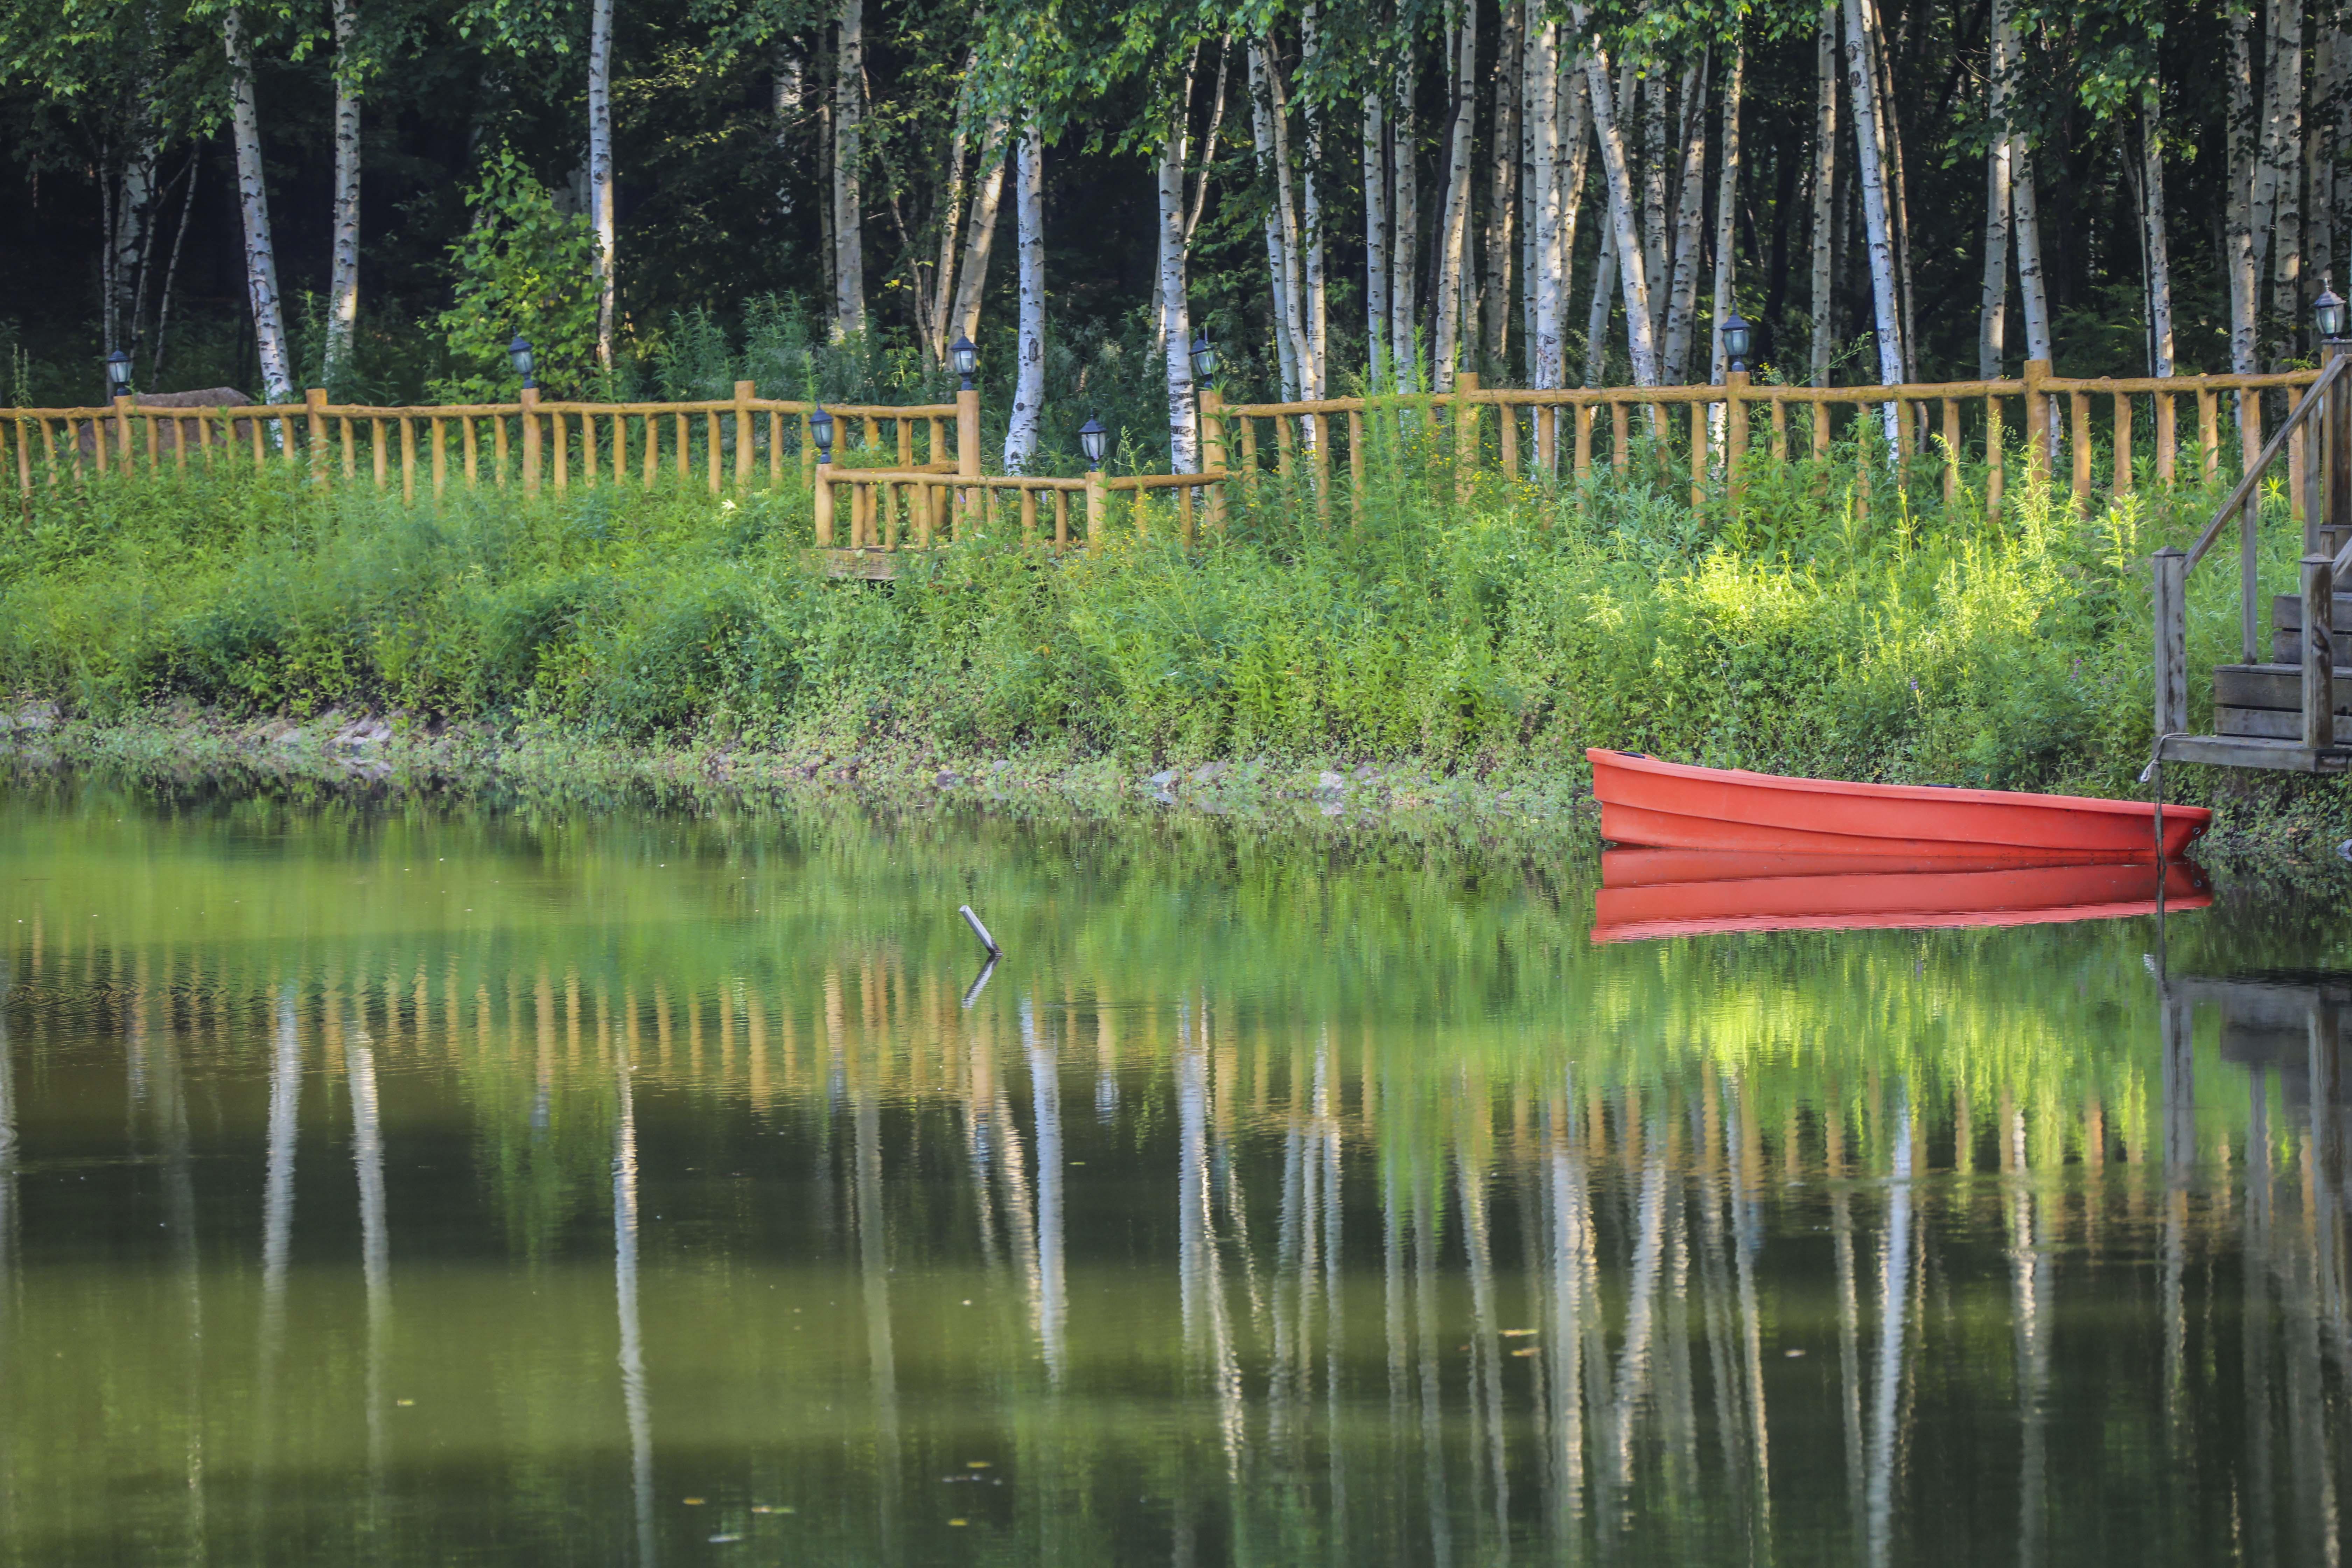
429, 1183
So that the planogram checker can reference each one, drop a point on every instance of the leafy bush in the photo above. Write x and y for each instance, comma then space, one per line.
523, 268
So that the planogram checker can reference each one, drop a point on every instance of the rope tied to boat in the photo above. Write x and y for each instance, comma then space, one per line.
2155, 770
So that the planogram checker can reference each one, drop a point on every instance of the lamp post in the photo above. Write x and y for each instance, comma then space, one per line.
118, 373
820, 427
519, 351
2327, 313
1096, 440
965, 358
1204, 358
1737, 340
1212, 422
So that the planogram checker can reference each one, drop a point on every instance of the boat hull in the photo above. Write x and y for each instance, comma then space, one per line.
1671, 806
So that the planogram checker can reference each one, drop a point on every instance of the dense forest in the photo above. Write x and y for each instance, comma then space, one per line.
375, 195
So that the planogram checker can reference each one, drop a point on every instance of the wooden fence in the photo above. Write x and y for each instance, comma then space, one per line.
531, 442
912, 472
1951, 426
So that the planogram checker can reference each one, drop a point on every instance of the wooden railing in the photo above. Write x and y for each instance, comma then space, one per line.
897, 509
1950, 427
2316, 442
530, 441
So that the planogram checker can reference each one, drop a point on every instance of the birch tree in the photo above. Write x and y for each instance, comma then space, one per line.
1824, 227
343, 281
1641, 342
1375, 229
1452, 256
1503, 186
1404, 229
1870, 150
1312, 304
600, 174
1726, 209
2241, 262
1175, 312
253, 207
1285, 271
2159, 263
1690, 197
1029, 355
2278, 228
979, 237
1992, 313
1546, 358
848, 144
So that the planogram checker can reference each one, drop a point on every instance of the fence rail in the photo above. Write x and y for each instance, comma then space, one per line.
554, 441
1949, 425
887, 509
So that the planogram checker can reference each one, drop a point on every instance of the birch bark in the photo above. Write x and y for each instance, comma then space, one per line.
600, 173
942, 291
1825, 101
1870, 150
1690, 202
2026, 231
1890, 126
134, 229
1175, 316
1640, 340
1029, 358
1315, 304
1503, 189
1376, 233
1533, 87
980, 236
2159, 264
1656, 171
2285, 121
2241, 261
253, 204
1281, 241
848, 128
1727, 211
1546, 362
1453, 258
1992, 313
343, 277
1404, 236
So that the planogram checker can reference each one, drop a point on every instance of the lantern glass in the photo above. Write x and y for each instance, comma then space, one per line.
1095, 440
2327, 315
965, 358
1736, 341
1204, 358
821, 431
118, 371
519, 351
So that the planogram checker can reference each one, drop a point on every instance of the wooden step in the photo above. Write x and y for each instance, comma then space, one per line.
2286, 613
2254, 751
2273, 686
2273, 723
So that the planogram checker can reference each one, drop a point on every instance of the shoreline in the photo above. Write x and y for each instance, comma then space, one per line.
2262, 825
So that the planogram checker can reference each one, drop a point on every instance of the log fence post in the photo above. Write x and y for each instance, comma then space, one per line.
2171, 642
1213, 450
530, 440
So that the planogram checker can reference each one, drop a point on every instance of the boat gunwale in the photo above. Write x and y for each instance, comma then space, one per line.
1601, 756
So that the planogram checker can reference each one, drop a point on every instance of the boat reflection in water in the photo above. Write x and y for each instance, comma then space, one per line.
1649, 893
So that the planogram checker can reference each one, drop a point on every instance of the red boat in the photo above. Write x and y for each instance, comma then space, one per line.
1650, 893
1674, 806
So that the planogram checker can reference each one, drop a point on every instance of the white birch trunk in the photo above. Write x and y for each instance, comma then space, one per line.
1376, 232
2159, 263
1870, 149
1640, 340
1656, 174
848, 224
1175, 314
132, 232
1571, 158
787, 93
253, 204
2241, 262
1890, 135
2026, 229
979, 237
1452, 256
1727, 214
1547, 355
600, 174
1314, 303
1992, 313
2320, 152
1029, 360
1604, 295
1404, 236
1281, 254
1502, 190
1533, 88
1690, 202
1825, 101
942, 301
344, 276
2285, 92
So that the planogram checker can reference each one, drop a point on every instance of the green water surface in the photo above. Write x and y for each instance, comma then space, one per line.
425, 1184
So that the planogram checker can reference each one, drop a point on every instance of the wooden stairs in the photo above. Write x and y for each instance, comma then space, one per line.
2294, 711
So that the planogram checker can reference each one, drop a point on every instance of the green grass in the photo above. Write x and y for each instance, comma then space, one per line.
1831, 625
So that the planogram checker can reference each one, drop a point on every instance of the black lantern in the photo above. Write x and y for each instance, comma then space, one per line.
1093, 438
821, 432
519, 351
2328, 312
1204, 358
965, 358
1735, 344
117, 369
